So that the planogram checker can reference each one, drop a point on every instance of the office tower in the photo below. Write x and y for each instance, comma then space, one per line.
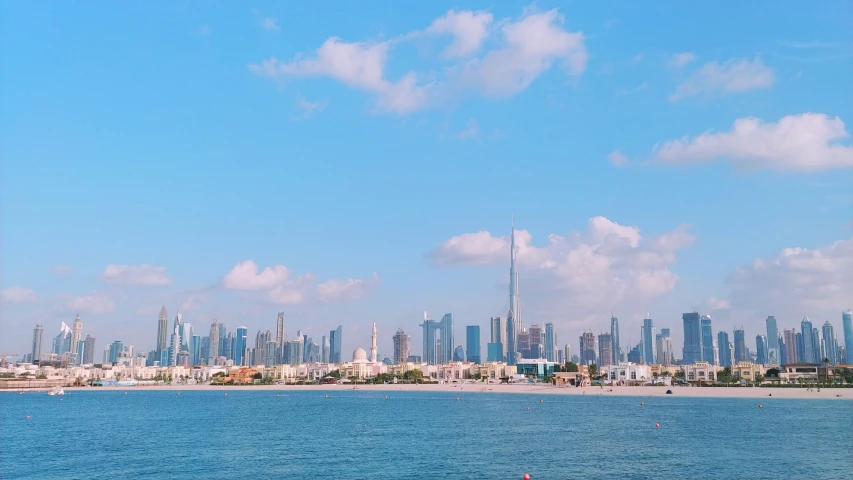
772, 341
459, 354
587, 344
716, 352
761, 349
38, 333
335, 345
76, 334
522, 344
115, 350
707, 339
79, 350
89, 350
740, 346
260, 348
447, 340
725, 355
472, 342
511, 345
536, 347
430, 344
647, 333
279, 330
816, 346
847, 326
499, 336
663, 347
62, 342
614, 338
830, 344
296, 352
605, 349
402, 347
809, 353
550, 343
162, 331
791, 347
241, 346
567, 352
692, 351
324, 350
783, 354
270, 350
213, 348
175, 343
186, 336
635, 355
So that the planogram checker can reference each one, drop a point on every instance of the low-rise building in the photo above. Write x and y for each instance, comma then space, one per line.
626, 373
538, 368
699, 372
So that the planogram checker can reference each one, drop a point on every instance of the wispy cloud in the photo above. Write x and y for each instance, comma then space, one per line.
310, 109
471, 130
681, 60
271, 23
732, 76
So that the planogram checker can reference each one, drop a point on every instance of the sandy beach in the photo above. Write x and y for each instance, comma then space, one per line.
464, 389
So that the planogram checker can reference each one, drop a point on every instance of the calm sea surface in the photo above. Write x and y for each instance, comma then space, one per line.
362, 435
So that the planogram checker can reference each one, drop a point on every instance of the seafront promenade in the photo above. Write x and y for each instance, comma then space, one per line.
466, 389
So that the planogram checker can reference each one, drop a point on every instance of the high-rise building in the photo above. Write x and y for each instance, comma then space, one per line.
241, 347
213, 347
707, 339
773, 353
809, 353
605, 349
647, 333
335, 345
567, 352
430, 345
472, 342
115, 350
587, 344
402, 347
761, 349
614, 337
741, 353
550, 343
458, 354
498, 336
535, 344
89, 350
76, 336
175, 342
511, 340
279, 330
724, 354
522, 343
847, 325
62, 342
324, 350
663, 347
692, 351
374, 356
447, 340
830, 344
38, 333
162, 331
801, 353
514, 320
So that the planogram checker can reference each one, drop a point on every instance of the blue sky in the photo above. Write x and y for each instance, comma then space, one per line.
149, 150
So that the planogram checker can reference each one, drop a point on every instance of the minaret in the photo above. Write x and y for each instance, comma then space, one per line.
373, 353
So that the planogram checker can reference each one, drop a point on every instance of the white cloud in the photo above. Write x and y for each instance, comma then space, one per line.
16, 294
281, 288
193, 302
135, 275
360, 65
681, 60
94, 303
598, 268
310, 109
715, 304
471, 130
271, 23
617, 158
531, 46
62, 269
796, 282
468, 28
807, 142
732, 76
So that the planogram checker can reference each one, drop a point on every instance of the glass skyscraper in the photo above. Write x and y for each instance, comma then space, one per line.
809, 353
550, 343
847, 324
241, 346
724, 349
692, 351
773, 350
707, 339
335, 345
648, 336
38, 333
614, 339
830, 346
472, 342
741, 353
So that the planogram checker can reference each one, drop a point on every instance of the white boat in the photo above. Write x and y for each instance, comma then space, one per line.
56, 391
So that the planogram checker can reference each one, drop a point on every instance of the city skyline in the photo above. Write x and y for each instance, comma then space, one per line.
646, 170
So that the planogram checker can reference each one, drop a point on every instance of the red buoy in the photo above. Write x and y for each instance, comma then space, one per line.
526, 477
657, 425
28, 417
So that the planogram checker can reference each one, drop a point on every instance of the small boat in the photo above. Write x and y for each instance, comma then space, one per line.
56, 391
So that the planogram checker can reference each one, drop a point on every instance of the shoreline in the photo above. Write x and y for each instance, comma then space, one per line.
692, 392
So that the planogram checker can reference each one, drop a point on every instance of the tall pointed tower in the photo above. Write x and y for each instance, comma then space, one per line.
373, 354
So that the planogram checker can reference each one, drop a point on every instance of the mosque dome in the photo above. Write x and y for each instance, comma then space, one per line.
359, 354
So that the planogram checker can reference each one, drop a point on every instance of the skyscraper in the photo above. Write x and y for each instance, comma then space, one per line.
550, 343
830, 345
692, 351
707, 339
76, 334
809, 353
511, 344
447, 340
374, 356
402, 347
279, 330
648, 336
174, 344
472, 343
62, 342
514, 323
89, 350
498, 336
535, 345
740, 346
430, 347
162, 331
772, 341
335, 345
847, 324
213, 348
761, 349
725, 354
587, 347
614, 337
324, 350
38, 333
605, 349
241, 346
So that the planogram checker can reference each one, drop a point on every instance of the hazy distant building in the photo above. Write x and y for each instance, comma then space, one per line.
761, 349
605, 349
472, 342
498, 335
847, 324
162, 331
663, 347
773, 353
707, 339
692, 351
647, 334
587, 348
550, 343
402, 346
808, 341
335, 345
430, 344
241, 347
89, 350
213, 346
725, 356
459, 354
535, 347
741, 353
614, 338
38, 333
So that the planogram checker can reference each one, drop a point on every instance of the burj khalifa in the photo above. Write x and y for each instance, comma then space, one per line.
513, 321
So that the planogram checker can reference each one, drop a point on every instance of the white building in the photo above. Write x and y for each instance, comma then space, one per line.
626, 373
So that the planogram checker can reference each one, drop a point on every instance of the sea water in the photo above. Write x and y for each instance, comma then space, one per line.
432, 435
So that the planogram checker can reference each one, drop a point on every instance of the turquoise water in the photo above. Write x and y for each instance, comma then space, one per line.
362, 435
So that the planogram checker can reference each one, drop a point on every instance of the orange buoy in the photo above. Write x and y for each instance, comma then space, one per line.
657, 425
28, 417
